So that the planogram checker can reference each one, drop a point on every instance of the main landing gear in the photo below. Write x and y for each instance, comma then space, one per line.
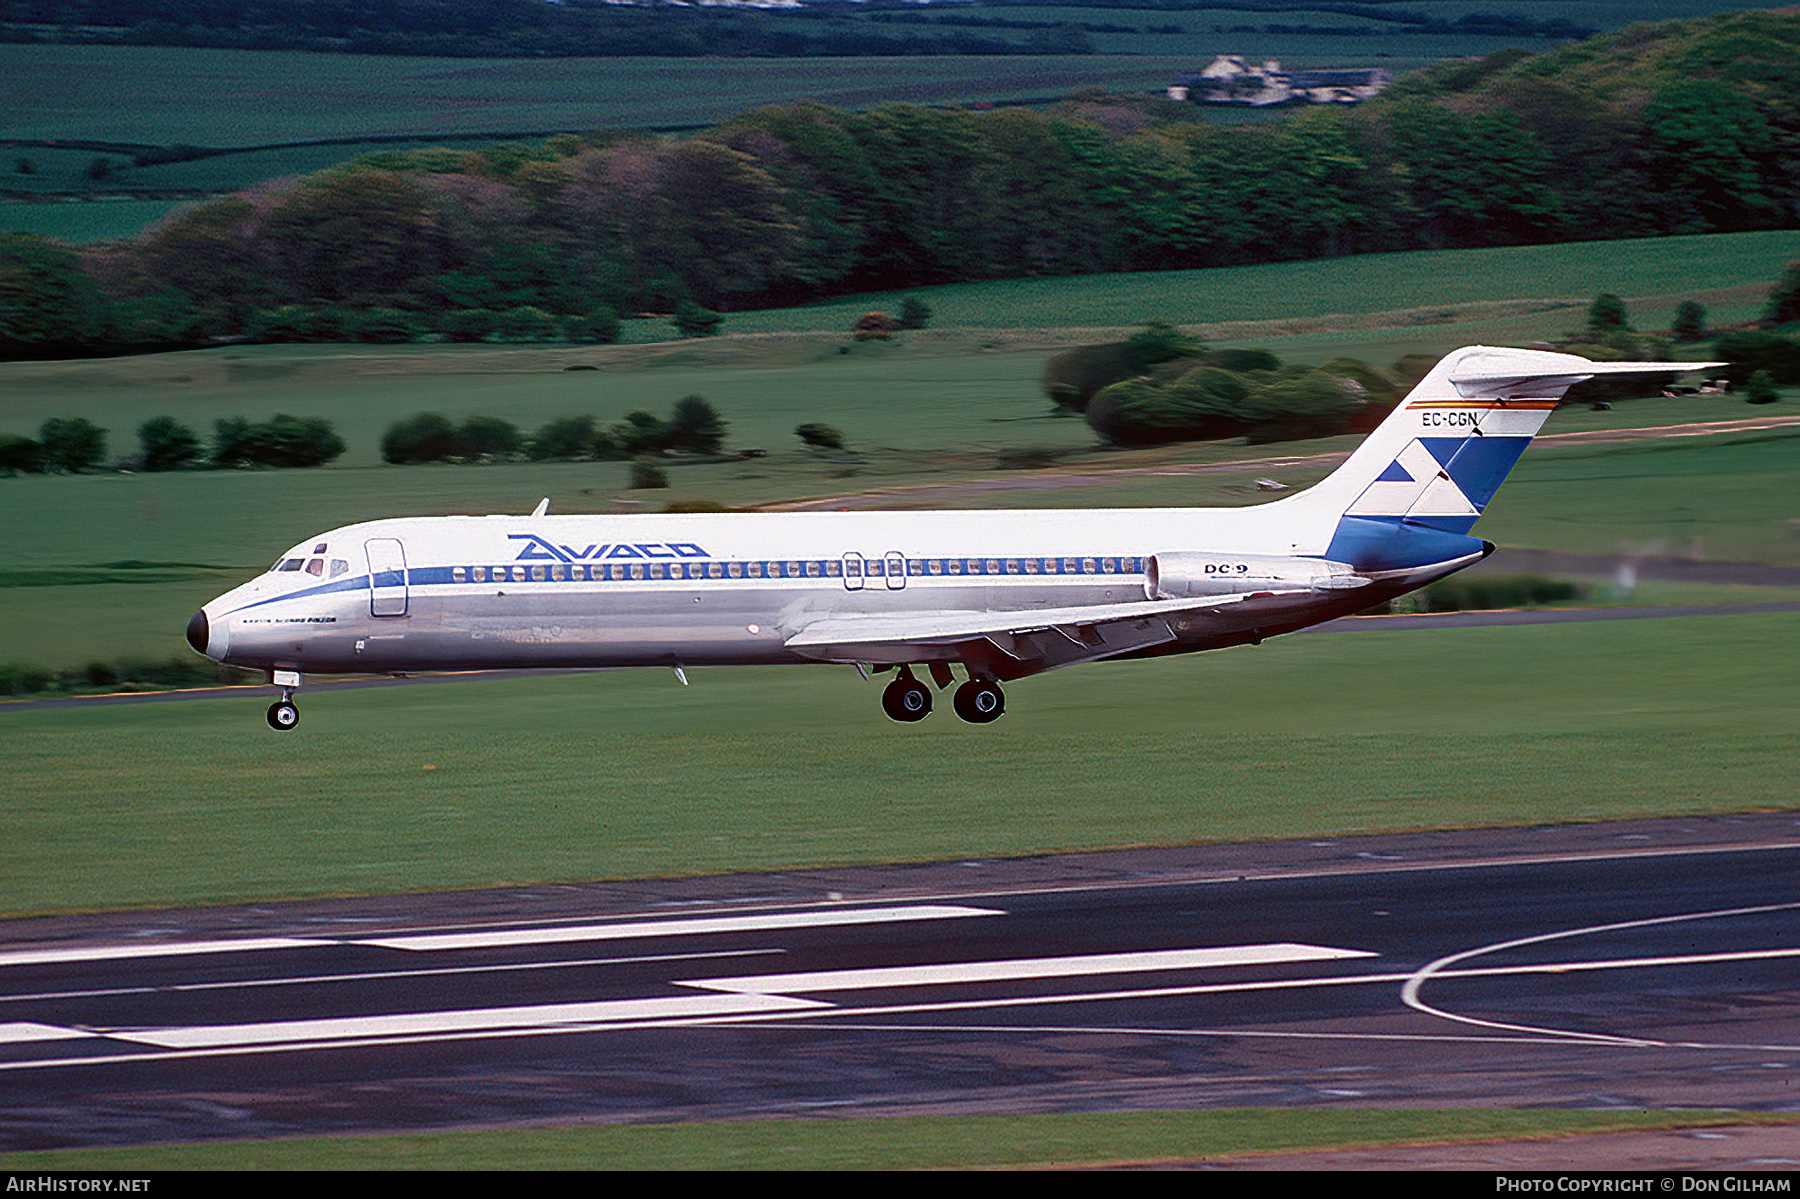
977, 701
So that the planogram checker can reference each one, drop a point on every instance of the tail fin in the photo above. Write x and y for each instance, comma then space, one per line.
1411, 492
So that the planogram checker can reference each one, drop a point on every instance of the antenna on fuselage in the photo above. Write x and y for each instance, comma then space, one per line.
542, 508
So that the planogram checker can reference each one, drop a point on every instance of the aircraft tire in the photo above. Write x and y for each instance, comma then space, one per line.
283, 716
979, 700
906, 700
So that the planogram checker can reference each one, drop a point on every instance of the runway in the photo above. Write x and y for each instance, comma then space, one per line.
1649, 964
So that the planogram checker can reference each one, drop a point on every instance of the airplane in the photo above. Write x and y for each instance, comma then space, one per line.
1003, 594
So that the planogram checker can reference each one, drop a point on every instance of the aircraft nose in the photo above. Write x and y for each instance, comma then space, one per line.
197, 631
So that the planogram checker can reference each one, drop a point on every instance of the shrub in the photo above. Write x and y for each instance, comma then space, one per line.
525, 323
488, 437
1481, 594
386, 326
282, 440
426, 437
598, 328
167, 444
20, 454
819, 436
468, 324
914, 313
646, 475
564, 437
1748, 352
640, 432
1760, 389
874, 326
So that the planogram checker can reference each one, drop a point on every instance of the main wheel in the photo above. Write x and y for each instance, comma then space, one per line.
906, 700
979, 701
283, 715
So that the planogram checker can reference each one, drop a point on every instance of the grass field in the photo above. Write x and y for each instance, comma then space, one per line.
932, 410
629, 774
905, 1143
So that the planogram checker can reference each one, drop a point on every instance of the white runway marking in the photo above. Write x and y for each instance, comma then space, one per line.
289, 1032
691, 927
1409, 992
13, 1034
107, 953
1022, 968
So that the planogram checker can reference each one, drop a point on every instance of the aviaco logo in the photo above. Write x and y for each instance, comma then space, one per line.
536, 549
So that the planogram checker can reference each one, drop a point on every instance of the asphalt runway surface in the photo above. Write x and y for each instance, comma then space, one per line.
1644, 964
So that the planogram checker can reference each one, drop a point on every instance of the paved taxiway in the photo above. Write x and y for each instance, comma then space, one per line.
1643, 964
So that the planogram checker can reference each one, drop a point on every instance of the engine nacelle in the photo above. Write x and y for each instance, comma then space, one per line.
1183, 574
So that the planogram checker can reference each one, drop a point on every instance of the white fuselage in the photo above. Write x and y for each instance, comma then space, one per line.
556, 591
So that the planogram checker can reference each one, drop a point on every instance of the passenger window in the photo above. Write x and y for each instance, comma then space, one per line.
537, 574
480, 574
735, 570
993, 566
557, 573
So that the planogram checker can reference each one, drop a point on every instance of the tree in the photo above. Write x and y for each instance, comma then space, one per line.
1760, 389
914, 313
47, 301
1784, 298
72, 444
167, 444
691, 320
1690, 321
1607, 315
695, 425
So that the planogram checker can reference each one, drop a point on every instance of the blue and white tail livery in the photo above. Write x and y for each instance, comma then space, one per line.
999, 595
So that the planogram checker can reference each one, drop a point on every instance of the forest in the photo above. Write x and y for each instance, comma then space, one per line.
1688, 127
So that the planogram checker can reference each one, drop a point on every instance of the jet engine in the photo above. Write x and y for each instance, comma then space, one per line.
1184, 574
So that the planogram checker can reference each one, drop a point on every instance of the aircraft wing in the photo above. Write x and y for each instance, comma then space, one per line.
1035, 640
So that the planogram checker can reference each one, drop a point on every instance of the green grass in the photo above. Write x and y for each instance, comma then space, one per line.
899, 1143
628, 774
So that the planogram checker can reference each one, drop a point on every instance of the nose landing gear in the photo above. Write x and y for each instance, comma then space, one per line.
283, 713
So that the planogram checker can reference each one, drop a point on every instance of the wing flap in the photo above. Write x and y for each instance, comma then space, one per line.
949, 627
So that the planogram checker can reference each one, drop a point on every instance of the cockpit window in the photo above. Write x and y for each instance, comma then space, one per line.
293, 564
338, 567
315, 566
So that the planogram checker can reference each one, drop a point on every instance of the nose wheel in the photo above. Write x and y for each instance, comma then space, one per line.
283, 714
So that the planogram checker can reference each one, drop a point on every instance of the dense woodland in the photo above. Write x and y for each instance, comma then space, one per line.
608, 28
1687, 127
